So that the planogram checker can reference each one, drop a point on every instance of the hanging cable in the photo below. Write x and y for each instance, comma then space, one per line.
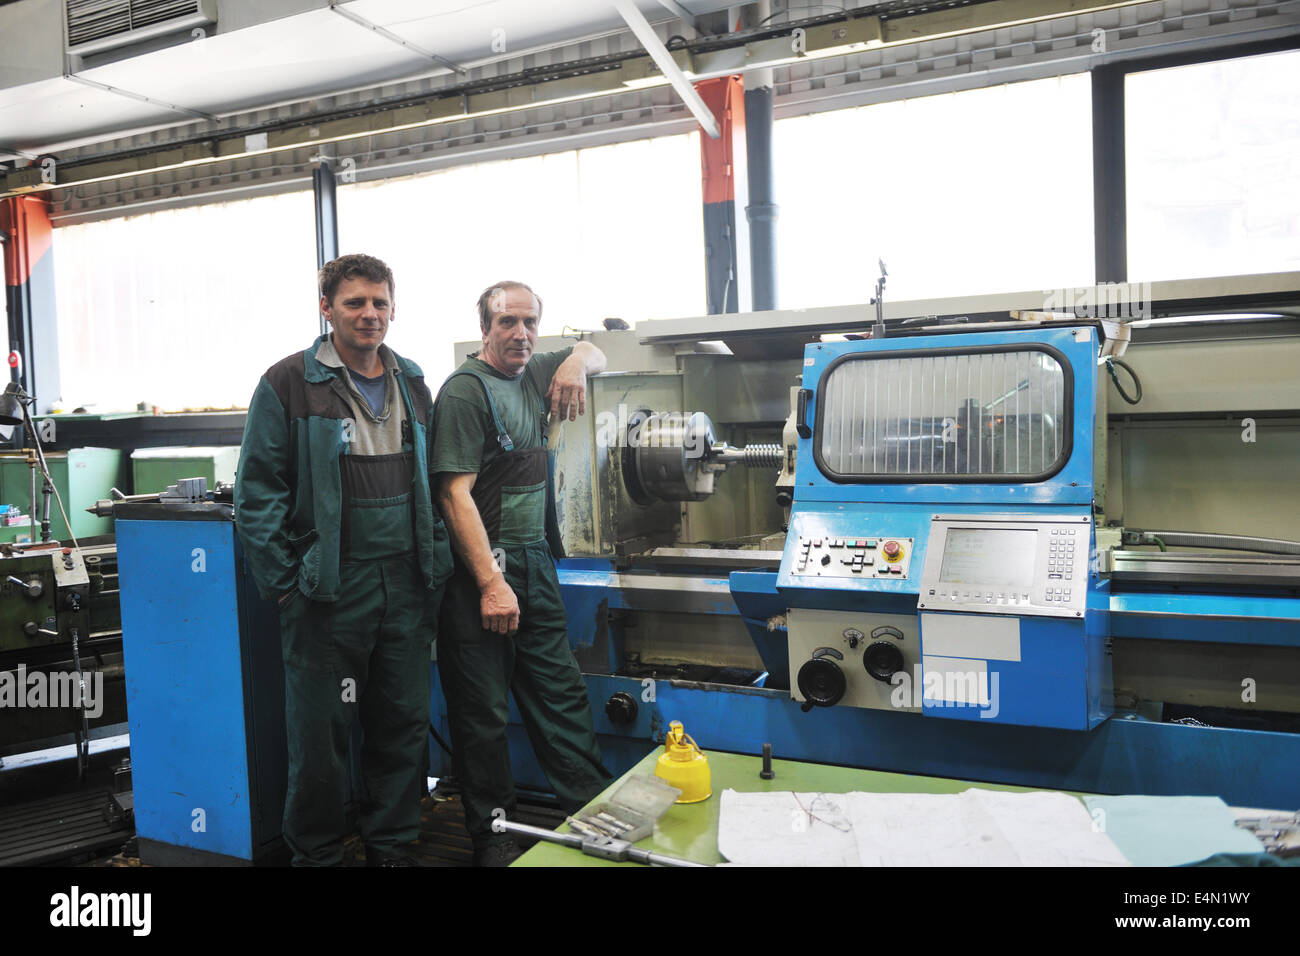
1111, 362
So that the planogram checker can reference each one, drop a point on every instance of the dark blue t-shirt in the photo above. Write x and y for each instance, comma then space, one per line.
373, 390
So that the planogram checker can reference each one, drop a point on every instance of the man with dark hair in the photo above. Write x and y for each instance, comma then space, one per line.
503, 628
334, 509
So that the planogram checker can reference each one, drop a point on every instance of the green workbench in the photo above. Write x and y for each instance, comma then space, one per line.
691, 830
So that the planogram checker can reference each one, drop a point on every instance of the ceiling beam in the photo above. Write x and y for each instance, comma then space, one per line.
635, 71
664, 60
139, 97
392, 37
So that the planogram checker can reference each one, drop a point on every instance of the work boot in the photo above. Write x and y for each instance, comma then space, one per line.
388, 858
498, 854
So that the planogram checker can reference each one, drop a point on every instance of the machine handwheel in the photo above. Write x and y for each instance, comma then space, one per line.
821, 682
883, 660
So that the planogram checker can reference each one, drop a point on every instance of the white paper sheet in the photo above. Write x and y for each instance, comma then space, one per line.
973, 828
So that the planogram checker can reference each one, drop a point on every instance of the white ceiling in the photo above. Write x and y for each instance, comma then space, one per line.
297, 57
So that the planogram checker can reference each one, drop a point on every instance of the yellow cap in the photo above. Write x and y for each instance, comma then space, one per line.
684, 766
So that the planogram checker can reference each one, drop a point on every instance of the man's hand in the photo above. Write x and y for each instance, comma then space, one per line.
568, 391
500, 608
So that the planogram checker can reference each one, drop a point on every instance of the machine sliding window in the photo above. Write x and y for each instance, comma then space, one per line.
989, 415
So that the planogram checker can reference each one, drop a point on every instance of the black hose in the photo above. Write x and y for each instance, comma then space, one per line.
1111, 362
1228, 542
82, 734
441, 743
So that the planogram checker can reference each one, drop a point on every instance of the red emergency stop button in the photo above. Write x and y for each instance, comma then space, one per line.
892, 550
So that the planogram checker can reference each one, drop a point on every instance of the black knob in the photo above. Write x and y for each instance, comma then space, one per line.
31, 628
784, 499
883, 660
621, 708
821, 682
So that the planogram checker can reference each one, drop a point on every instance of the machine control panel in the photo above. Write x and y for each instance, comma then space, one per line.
70, 569
853, 558
1008, 564
852, 658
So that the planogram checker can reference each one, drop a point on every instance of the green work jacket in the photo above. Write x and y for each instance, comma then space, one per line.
289, 490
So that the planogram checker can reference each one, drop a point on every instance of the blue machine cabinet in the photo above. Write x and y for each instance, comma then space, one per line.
205, 689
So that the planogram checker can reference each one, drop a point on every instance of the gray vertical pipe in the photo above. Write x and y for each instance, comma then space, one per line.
761, 211
327, 220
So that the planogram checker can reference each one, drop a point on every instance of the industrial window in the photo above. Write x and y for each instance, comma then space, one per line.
185, 308
981, 191
608, 231
1213, 182
964, 415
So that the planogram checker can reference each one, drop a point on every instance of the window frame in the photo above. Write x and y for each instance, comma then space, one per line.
1110, 152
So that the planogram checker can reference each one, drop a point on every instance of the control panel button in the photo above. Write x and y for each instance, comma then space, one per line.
892, 549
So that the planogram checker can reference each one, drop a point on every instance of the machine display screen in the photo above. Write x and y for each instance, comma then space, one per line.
994, 557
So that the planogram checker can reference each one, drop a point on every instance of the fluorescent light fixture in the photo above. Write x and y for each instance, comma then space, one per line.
1216, 317
650, 82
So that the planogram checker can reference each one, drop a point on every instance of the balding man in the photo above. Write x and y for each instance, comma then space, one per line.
503, 628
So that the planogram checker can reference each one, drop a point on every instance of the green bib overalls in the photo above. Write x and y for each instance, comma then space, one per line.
480, 669
363, 656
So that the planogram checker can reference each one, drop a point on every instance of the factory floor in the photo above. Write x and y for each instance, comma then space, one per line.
443, 840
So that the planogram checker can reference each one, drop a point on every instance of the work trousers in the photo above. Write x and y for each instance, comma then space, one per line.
480, 669
364, 656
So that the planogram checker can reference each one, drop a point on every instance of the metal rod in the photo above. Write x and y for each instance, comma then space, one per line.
139, 97
607, 849
637, 23
394, 38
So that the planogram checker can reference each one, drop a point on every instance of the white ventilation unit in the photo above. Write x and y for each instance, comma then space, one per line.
97, 25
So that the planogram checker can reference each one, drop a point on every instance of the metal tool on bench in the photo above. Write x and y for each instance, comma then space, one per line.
601, 847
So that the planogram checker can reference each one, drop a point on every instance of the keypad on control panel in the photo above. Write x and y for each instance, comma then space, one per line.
853, 558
